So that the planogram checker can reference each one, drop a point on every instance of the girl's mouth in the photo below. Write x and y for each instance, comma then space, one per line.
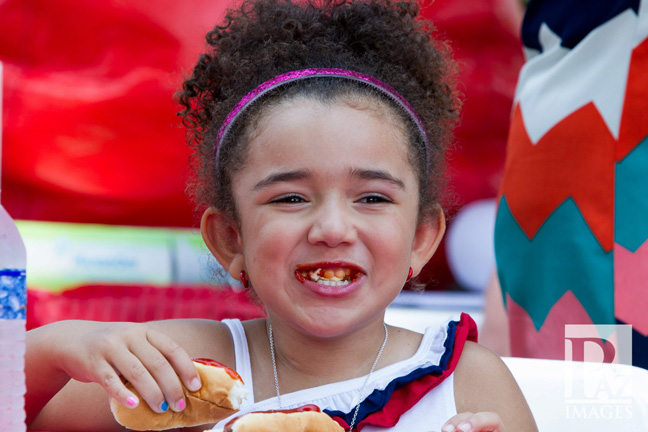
329, 275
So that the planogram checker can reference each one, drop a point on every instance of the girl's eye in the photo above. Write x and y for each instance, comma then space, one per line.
374, 199
288, 199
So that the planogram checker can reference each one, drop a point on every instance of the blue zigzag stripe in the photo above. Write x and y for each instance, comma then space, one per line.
631, 198
563, 255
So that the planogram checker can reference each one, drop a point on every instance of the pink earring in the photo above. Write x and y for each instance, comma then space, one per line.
409, 275
244, 279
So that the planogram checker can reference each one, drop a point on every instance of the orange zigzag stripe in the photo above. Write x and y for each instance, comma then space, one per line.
575, 158
634, 119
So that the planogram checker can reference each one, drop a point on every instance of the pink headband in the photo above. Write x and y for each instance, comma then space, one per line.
285, 78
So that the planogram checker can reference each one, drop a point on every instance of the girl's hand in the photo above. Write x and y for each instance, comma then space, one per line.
101, 352
469, 422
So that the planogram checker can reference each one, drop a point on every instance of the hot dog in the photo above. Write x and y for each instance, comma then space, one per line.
307, 418
219, 397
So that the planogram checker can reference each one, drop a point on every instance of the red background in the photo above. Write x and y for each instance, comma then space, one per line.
90, 132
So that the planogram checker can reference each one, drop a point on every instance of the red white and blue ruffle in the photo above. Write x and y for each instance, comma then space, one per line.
392, 391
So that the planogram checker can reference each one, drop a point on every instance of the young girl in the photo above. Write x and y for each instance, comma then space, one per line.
319, 132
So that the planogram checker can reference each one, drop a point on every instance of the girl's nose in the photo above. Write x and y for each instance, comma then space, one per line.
332, 226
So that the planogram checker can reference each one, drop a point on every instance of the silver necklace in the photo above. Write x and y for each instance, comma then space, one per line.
360, 392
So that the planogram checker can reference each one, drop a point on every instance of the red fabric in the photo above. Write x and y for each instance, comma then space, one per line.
485, 38
139, 304
634, 119
89, 122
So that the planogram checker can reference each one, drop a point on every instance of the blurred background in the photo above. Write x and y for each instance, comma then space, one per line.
94, 163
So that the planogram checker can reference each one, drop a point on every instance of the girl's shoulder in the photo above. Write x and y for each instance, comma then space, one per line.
483, 383
201, 338
479, 363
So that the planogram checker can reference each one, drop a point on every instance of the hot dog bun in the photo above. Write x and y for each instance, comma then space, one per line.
219, 397
307, 418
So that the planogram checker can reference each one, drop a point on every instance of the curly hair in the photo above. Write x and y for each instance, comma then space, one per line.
264, 38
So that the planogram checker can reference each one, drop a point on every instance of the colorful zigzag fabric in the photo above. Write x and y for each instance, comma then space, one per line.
571, 237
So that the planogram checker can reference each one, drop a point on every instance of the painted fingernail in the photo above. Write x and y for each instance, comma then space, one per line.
164, 407
132, 402
195, 384
465, 427
180, 405
448, 428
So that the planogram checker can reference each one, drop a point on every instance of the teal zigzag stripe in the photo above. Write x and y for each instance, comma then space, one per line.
631, 198
563, 255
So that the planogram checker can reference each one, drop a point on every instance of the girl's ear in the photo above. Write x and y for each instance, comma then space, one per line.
427, 239
222, 237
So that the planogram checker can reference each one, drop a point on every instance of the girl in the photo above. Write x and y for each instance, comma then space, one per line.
319, 132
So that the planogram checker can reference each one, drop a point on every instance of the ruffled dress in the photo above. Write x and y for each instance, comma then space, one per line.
412, 395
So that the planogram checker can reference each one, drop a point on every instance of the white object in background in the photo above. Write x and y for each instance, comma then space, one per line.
418, 310
469, 244
13, 294
583, 396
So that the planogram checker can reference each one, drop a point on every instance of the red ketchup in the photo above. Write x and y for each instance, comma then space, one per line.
300, 277
303, 408
210, 362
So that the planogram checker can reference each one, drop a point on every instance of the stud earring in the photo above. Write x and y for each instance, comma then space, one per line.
409, 275
244, 279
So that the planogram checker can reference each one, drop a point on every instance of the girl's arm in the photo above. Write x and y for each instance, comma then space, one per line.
154, 357
484, 386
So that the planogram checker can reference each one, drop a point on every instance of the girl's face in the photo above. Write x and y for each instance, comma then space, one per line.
328, 205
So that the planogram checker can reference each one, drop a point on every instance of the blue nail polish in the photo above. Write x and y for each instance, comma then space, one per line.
164, 407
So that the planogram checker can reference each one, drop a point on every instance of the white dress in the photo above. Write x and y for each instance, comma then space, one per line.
421, 386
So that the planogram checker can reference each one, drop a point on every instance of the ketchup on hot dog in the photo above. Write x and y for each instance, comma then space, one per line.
304, 408
210, 362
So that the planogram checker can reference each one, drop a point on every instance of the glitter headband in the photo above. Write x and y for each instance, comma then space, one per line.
288, 77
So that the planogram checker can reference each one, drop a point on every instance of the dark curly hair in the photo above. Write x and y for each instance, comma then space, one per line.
265, 38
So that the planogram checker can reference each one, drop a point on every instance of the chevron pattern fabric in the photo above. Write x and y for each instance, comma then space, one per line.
571, 237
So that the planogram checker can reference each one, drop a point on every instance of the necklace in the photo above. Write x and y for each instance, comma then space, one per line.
360, 392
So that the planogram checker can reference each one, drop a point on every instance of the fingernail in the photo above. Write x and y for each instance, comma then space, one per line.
132, 402
195, 384
448, 428
164, 407
465, 427
180, 405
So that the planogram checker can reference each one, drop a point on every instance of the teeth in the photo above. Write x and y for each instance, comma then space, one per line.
329, 277
332, 283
